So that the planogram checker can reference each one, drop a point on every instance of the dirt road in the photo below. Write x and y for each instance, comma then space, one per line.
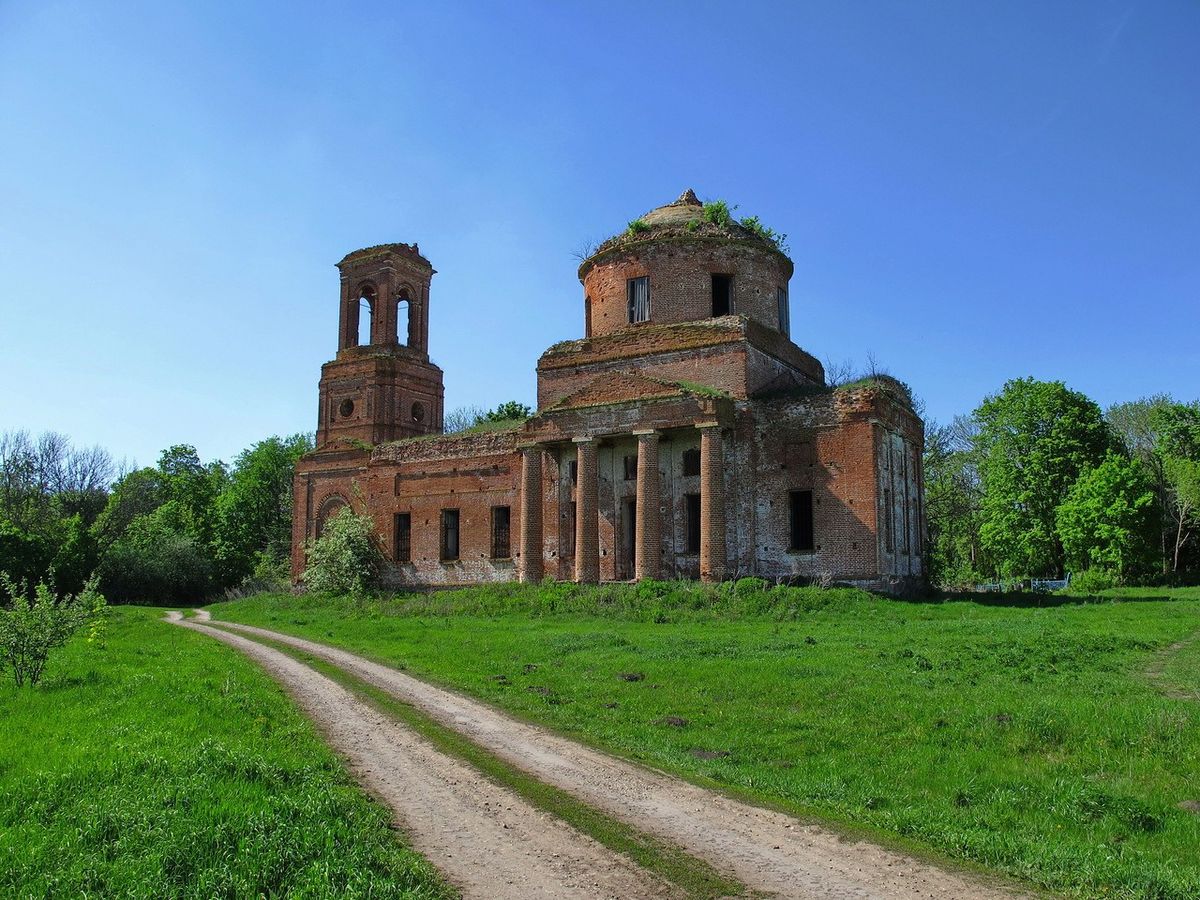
768, 851
487, 841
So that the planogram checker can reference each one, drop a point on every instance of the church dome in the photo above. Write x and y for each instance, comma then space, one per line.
688, 219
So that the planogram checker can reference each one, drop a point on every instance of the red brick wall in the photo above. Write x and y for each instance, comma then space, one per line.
680, 273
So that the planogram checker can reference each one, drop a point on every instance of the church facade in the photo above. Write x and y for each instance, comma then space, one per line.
684, 435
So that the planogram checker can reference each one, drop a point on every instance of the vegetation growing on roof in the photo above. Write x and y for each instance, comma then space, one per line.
889, 385
714, 219
718, 212
702, 390
752, 223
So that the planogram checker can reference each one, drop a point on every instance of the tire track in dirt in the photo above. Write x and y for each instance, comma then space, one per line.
487, 841
1156, 671
765, 850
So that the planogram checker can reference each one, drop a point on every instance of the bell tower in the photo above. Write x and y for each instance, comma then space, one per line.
381, 386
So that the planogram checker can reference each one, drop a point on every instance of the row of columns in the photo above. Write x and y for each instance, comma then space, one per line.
647, 530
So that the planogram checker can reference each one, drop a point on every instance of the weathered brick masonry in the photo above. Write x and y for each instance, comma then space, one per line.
685, 435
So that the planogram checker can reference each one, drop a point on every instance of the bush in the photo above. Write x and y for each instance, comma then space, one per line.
30, 629
345, 558
157, 561
1091, 581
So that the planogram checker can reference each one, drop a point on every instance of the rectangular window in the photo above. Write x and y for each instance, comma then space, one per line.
403, 541
501, 522
692, 535
449, 543
639, 299
630, 468
573, 471
722, 295
781, 300
800, 516
691, 462
569, 532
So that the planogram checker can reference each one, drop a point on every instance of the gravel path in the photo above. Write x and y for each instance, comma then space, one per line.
487, 841
768, 851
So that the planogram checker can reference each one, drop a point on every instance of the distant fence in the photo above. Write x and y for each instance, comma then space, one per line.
1050, 584
1037, 585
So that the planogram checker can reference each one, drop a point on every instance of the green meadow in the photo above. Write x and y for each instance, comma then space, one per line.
1052, 739
163, 764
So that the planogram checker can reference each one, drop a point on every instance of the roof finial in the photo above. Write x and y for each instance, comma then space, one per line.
688, 198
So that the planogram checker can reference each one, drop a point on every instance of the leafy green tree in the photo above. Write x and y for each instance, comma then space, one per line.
1109, 519
346, 558
138, 493
1178, 447
1035, 439
1135, 425
25, 556
158, 560
194, 487
952, 497
254, 511
507, 411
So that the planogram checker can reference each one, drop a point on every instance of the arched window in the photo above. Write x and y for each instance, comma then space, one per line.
330, 507
403, 314
366, 313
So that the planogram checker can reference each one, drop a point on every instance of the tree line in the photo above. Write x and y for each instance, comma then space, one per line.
1039, 481
177, 531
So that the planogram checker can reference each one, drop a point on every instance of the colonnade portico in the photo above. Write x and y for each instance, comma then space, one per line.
648, 506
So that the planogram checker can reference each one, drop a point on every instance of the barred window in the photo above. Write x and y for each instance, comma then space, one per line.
781, 300
501, 522
403, 538
449, 542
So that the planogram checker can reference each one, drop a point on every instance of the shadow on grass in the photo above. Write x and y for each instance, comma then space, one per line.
1035, 599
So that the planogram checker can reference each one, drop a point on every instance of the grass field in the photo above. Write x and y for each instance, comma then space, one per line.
1028, 739
166, 765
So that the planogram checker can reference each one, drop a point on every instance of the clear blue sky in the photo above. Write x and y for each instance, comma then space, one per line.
973, 191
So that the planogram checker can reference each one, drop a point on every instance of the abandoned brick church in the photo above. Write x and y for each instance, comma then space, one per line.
683, 436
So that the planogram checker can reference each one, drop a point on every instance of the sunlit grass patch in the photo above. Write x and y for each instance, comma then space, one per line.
1022, 738
164, 764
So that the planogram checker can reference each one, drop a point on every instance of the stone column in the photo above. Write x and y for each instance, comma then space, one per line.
530, 569
648, 555
587, 529
712, 503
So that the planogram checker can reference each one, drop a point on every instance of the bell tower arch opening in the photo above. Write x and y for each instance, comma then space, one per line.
366, 315
404, 317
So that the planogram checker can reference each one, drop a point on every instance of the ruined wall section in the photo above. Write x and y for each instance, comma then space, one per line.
732, 355
847, 448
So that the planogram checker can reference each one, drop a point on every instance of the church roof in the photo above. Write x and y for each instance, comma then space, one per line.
688, 218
